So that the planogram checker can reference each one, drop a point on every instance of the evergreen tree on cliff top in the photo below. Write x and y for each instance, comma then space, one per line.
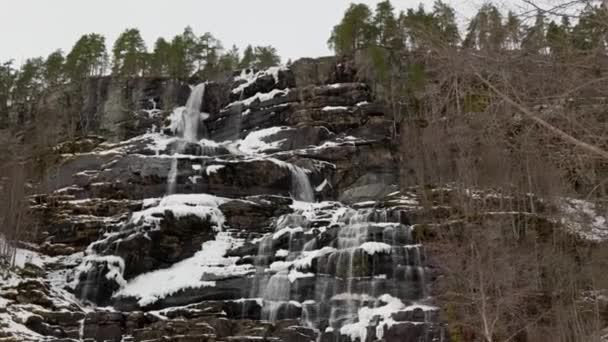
88, 57
354, 32
54, 68
129, 54
486, 30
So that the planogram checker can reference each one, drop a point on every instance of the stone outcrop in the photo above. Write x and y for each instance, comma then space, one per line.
280, 224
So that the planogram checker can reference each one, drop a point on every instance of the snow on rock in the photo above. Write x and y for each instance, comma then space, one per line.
372, 248
381, 314
213, 169
202, 205
366, 314
307, 256
335, 109
189, 273
288, 230
254, 143
154, 141
23, 256
321, 186
295, 274
584, 218
248, 77
115, 264
10, 326
262, 97
193, 200
281, 253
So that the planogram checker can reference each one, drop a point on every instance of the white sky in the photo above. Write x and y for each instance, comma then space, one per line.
297, 28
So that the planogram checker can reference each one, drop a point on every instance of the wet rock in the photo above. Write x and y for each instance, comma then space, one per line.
36, 323
104, 326
95, 284
254, 214
176, 330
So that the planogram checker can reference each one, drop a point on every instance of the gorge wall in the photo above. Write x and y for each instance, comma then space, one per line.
267, 208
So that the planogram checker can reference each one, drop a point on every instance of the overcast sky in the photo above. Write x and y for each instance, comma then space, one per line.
297, 28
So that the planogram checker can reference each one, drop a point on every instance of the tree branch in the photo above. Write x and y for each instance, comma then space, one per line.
565, 136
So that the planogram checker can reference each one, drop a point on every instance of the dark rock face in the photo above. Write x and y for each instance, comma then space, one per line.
254, 214
145, 248
272, 265
104, 326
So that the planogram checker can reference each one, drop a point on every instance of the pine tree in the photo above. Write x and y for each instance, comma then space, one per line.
248, 58
354, 32
159, 59
486, 31
418, 28
266, 57
129, 54
386, 28
513, 32
54, 68
30, 80
178, 58
558, 36
207, 53
191, 49
445, 22
229, 61
8, 75
591, 31
534, 40
88, 57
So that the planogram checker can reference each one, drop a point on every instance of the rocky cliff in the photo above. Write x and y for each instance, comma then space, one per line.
265, 208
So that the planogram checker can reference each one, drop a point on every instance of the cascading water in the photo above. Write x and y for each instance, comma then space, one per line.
367, 261
185, 122
300, 185
192, 113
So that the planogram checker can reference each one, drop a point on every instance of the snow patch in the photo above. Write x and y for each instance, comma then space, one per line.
335, 109
201, 205
153, 286
295, 274
254, 142
372, 248
248, 77
213, 169
586, 219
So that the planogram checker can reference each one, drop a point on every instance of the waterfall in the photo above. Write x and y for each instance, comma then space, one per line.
186, 121
300, 185
192, 113
172, 177
371, 255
